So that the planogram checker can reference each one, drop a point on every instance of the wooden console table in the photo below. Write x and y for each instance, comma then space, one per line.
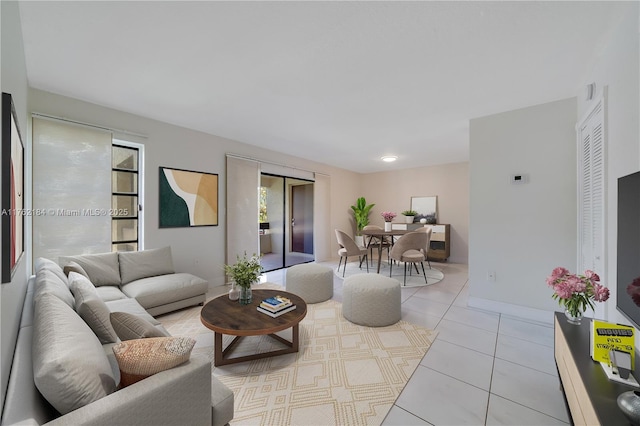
590, 396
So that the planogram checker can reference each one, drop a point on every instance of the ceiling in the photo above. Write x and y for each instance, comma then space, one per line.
340, 83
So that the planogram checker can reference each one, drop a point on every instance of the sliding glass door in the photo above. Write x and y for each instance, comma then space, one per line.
286, 221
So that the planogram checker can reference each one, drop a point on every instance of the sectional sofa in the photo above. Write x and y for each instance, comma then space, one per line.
64, 370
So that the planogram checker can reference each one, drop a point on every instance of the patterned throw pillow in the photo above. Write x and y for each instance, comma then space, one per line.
139, 359
130, 327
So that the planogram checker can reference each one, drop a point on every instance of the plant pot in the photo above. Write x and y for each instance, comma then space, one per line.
409, 219
387, 226
359, 239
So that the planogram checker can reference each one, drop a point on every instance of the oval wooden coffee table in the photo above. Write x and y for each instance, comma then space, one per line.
226, 316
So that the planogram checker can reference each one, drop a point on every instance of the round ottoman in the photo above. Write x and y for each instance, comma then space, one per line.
371, 299
312, 282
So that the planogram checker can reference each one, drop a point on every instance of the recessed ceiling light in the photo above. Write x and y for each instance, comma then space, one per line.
389, 158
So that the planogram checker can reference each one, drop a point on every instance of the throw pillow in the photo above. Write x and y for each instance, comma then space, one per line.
102, 269
70, 367
42, 263
130, 327
139, 359
48, 282
91, 308
146, 263
74, 267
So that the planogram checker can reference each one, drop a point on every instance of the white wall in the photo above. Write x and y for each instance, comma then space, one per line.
616, 68
521, 232
14, 81
526, 257
392, 191
199, 250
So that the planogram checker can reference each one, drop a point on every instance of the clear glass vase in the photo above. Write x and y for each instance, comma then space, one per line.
245, 295
573, 318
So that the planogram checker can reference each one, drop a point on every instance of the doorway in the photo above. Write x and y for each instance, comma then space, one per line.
285, 221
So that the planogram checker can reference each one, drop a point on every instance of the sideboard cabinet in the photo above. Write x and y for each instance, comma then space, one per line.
440, 247
590, 396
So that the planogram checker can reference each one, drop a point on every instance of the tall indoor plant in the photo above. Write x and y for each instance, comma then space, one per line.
361, 214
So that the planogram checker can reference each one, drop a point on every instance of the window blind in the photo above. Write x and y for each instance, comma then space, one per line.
71, 189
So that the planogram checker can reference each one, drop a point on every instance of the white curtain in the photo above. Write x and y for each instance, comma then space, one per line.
243, 181
71, 189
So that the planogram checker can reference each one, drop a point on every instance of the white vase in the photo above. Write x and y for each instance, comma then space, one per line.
409, 219
387, 226
233, 292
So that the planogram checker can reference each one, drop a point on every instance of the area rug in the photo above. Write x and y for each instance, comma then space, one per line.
344, 374
434, 275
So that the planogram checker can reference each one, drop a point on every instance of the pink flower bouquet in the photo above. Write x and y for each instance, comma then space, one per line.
576, 292
388, 216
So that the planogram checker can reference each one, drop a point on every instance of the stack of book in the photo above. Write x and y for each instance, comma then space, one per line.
276, 306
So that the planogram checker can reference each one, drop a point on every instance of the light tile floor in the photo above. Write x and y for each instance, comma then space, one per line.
484, 368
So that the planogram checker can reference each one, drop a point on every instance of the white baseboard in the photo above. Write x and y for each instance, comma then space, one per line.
523, 312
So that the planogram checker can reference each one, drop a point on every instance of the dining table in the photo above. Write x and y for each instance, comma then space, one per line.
381, 234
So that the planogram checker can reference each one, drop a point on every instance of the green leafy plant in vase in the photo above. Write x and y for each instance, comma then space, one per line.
244, 273
409, 215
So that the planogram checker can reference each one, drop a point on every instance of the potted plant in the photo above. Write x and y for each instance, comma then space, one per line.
409, 215
388, 217
244, 273
361, 215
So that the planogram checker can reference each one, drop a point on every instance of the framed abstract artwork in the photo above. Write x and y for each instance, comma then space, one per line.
12, 190
187, 198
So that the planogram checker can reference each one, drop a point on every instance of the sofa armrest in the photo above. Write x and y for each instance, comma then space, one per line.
179, 396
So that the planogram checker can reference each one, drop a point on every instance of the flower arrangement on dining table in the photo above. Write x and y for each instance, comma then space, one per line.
576, 292
388, 216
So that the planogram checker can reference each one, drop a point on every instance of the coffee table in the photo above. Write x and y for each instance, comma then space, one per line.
226, 316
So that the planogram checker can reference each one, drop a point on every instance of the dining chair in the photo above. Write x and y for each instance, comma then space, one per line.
348, 247
374, 241
427, 230
410, 249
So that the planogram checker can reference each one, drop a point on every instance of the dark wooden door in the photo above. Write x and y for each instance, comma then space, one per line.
302, 218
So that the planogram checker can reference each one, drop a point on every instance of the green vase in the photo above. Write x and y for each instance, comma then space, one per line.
245, 295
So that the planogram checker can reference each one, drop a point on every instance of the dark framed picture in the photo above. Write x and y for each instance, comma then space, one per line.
187, 198
12, 189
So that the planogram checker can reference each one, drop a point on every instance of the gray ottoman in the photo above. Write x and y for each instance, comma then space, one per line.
312, 282
372, 300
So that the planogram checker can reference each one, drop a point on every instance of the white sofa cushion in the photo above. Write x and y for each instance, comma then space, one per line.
135, 265
69, 365
130, 327
133, 307
48, 282
163, 289
42, 263
102, 268
91, 308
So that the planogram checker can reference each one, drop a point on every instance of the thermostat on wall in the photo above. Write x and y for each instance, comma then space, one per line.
519, 179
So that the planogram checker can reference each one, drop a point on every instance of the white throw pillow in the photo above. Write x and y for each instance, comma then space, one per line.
70, 366
91, 308
135, 265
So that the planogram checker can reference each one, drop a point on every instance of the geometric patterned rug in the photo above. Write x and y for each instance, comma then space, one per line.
344, 374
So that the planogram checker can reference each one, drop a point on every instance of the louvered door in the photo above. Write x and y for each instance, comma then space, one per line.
591, 194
